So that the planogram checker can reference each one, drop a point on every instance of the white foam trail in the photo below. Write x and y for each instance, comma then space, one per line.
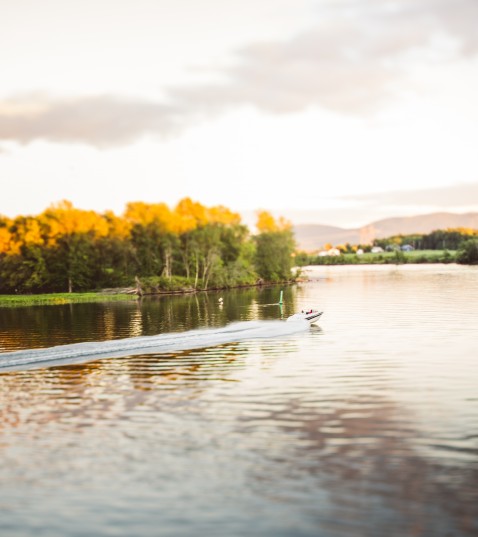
178, 341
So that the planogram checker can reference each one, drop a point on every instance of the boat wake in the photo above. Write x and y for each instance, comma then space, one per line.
171, 342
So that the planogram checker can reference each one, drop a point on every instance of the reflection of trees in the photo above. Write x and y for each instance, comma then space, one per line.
107, 390
363, 454
200, 310
46, 326
26, 393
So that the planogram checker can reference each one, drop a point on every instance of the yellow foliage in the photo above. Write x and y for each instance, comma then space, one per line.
117, 226
266, 222
190, 214
5, 240
63, 219
222, 215
32, 233
23, 230
464, 230
138, 212
186, 216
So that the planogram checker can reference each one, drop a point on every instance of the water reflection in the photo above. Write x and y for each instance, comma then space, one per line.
45, 326
362, 452
364, 426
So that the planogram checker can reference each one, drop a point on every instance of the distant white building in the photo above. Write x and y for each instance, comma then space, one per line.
329, 252
376, 250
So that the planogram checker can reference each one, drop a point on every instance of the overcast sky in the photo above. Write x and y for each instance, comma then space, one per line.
328, 111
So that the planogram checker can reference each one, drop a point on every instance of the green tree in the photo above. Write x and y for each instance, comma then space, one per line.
115, 262
468, 252
71, 263
206, 252
273, 257
33, 269
65, 248
145, 239
236, 253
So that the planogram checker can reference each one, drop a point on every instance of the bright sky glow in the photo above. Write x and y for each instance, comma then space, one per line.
336, 112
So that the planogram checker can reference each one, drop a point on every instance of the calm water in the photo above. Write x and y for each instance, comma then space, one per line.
365, 425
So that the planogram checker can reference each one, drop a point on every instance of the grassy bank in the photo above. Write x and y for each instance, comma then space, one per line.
417, 256
148, 287
60, 298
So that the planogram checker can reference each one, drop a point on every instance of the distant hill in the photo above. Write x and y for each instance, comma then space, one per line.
312, 237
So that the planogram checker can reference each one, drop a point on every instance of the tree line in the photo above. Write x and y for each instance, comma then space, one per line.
448, 239
190, 246
441, 246
440, 239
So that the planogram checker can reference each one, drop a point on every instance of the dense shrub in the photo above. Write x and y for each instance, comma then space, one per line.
468, 252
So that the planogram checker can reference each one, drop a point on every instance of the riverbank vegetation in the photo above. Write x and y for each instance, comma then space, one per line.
150, 248
440, 246
61, 298
468, 252
383, 258
448, 239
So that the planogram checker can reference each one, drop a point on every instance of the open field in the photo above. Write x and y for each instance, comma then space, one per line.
417, 256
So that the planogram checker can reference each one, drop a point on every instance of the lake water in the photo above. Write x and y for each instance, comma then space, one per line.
364, 425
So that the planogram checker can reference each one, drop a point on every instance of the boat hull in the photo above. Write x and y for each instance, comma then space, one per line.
310, 317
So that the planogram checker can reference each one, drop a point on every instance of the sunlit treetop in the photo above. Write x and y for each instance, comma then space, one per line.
186, 216
139, 212
23, 230
463, 230
117, 226
222, 215
267, 223
191, 214
64, 219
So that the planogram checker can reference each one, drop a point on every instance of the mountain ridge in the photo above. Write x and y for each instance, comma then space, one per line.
310, 237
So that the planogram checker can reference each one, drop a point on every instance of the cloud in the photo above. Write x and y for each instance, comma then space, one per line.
461, 195
99, 120
351, 60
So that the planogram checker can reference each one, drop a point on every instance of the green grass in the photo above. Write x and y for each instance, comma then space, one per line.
60, 298
414, 257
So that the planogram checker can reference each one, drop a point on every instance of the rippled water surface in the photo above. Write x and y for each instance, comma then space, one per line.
364, 425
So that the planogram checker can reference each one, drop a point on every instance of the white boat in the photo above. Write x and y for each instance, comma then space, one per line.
309, 315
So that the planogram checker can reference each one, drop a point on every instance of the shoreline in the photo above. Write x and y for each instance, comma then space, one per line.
110, 295
129, 294
58, 299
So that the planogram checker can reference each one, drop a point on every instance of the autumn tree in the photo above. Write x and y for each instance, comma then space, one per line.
274, 247
66, 248
153, 237
71, 234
